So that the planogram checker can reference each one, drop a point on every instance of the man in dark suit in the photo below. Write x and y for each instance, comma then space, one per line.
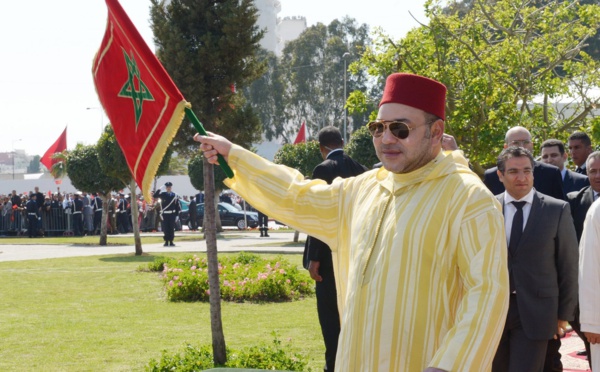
580, 201
317, 255
546, 178
580, 147
553, 153
542, 264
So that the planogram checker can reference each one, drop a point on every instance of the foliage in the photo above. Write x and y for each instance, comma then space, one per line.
267, 357
264, 95
196, 169
209, 49
307, 82
304, 157
505, 63
111, 158
34, 165
59, 169
360, 147
85, 172
245, 277
158, 265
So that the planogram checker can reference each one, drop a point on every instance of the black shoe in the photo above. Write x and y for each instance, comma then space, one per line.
267, 235
166, 244
172, 244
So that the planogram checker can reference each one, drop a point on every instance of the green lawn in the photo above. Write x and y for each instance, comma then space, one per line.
100, 314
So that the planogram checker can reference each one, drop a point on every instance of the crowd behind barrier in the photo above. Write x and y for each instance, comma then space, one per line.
56, 213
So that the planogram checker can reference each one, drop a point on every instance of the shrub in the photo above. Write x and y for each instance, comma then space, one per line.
262, 357
157, 265
244, 277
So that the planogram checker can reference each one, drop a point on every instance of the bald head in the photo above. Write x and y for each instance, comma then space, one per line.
518, 136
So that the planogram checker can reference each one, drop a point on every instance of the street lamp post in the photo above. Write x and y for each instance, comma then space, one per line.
345, 124
13, 156
101, 117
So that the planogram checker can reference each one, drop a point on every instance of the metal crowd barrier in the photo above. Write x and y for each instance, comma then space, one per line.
54, 222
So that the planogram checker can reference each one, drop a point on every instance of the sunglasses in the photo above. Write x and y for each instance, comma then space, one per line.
398, 128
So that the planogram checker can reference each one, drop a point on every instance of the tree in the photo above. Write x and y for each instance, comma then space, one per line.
34, 165
86, 175
303, 157
59, 169
500, 61
360, 147
311, 71
112, 162
210, 50
265, 97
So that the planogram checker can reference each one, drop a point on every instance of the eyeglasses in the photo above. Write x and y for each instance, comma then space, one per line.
520, 143
398, 128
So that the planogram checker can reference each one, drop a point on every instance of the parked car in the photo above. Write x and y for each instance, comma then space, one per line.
230, 216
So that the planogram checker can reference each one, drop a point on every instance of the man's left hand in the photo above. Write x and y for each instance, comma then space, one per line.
562, 326
313, 269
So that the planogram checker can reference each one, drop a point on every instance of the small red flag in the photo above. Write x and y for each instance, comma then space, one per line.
59, 146
301, 136
143, 104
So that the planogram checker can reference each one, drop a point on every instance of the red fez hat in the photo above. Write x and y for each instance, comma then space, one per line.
416, 91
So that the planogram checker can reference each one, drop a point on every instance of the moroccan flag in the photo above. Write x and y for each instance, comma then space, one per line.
301, 136
59, 146
143, 104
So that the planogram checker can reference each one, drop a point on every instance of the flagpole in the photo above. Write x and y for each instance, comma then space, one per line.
200, 128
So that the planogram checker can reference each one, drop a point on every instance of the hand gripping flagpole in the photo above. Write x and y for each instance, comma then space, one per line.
200, 128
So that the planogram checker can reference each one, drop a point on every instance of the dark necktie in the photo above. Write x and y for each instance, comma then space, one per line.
516, 229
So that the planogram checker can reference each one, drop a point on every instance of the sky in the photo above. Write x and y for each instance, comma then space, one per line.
47, 49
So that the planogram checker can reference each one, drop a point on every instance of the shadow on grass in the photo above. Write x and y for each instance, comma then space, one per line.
145, 257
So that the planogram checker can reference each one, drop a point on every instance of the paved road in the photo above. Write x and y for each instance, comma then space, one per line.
243, 241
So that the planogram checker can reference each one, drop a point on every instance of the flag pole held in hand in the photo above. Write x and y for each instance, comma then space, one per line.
200, 128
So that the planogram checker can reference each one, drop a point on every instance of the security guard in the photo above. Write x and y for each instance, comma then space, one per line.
122, 223
170, 207
97, 206
78, 215
32, 219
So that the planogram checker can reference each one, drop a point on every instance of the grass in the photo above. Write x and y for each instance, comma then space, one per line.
99, 313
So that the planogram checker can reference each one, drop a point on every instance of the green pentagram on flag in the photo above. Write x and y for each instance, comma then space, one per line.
137, 92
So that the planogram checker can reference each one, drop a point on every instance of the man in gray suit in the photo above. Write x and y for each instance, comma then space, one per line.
553, 153
542, 264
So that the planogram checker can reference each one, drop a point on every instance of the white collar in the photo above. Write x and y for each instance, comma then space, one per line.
527, 198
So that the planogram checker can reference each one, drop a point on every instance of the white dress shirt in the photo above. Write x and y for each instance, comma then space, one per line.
510, 210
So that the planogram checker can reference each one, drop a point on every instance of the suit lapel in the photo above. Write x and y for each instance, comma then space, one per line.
588, 196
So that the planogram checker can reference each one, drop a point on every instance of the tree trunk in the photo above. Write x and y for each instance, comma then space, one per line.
296, 236
210, 236
135, 213
103, 225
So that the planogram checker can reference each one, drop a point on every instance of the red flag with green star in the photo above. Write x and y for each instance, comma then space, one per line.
143, 104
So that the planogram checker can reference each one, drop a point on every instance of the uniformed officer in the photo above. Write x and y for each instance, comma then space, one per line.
122, 223
32, 217
78, 215
97, 206
170, 207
